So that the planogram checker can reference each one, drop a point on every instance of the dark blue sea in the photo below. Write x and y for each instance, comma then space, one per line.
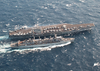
81, 55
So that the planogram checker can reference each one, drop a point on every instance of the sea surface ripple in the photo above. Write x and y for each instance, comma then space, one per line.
82, 55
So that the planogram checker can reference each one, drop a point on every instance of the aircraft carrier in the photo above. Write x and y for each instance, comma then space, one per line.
43, 31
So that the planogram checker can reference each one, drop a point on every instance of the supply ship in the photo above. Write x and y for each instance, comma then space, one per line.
31, 43
42, 31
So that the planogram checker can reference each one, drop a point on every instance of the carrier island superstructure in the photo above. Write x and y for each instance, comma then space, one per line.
43, 31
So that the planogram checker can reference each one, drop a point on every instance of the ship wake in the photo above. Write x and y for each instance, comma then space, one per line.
4, 48
4, 37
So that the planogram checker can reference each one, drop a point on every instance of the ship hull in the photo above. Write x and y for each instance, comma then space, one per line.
50, 30
49, 34
42, 45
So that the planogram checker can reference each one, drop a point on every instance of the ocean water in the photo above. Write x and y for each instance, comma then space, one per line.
81, 55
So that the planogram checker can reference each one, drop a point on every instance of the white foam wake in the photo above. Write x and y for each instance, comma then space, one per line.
4, 48
4, 37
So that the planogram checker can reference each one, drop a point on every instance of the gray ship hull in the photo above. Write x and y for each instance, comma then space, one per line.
50, 34
44, 31
42, 45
